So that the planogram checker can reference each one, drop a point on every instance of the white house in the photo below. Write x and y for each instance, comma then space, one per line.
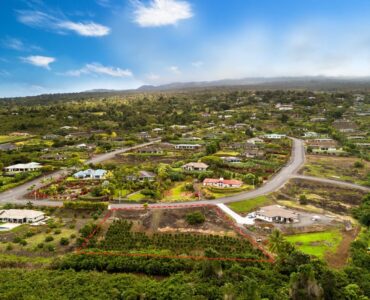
187, 146
310, 134
274, 136
195, 166
284, 107
222, 183
21, 216
255, 140
90, 174
32, 166
231, 159
276, 213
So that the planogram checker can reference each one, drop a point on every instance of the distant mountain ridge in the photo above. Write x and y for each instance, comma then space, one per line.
309, 82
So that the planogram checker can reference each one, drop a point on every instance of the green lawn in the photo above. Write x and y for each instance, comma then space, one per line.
177, 193
39, 238
317, 243
250, 204
137, 197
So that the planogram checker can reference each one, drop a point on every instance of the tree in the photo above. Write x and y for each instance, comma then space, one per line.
195, 218
303, 199
304, 286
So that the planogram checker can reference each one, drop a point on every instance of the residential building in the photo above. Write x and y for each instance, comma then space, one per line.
324, 146
344, 126
310, 134
90, 174
187, 146
145, 175
277, 214
150, 150
222, 183
21, 216
274, 136
29, 167
195, 166
255, 140
231, 159
284, 107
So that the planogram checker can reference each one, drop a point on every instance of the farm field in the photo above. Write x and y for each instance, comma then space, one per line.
318, 243
339, 168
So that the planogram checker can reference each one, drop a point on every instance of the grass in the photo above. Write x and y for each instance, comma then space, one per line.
177, 193
227, 153
250, 204
317, 243
137, 197
8, 138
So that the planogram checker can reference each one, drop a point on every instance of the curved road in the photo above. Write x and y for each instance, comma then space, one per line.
288, 172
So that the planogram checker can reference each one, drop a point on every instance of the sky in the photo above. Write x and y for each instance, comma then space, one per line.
50, 46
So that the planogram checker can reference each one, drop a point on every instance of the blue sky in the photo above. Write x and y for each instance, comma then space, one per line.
68, 45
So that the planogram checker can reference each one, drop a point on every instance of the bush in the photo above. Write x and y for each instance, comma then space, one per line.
195, 218
64, 241
17, 240
303, 199
358, 164
85, 205
50, 248
58, 231
23, 242
9, 247
40, 245
49, 238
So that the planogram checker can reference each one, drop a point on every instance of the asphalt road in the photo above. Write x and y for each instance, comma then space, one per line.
16, 195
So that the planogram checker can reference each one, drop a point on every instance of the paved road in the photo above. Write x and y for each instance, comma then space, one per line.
334, 182
16, 195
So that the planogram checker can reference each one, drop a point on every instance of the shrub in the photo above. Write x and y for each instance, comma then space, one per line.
40, 245
17, 239
73, 236
50, 248
64, 241
195, 218
358, 164
58, 231
9, 247
23, 242
303, 199
49, 238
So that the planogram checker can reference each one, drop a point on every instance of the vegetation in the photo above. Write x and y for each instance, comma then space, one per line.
249, 205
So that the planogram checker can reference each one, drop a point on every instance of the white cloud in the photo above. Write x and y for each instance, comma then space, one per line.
162, 12
197, 64
96, 68
17, 44
85, 29
39, 61
61, 25
175, 70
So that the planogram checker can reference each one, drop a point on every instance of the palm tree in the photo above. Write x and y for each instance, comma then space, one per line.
275, 241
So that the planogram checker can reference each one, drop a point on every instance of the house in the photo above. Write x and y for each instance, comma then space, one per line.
53, 156
187, 146
231, 159
222, 183
51, 137
277, 214
68, 128
318, 119
21, 216
324, 146
180, 127
284, 107
90, 174
310, 134
157, 130
195, 166
143, 135
255, 140
7, 147
16, 133
145, 175
253, 153
29, 167
150, 150
274, 136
